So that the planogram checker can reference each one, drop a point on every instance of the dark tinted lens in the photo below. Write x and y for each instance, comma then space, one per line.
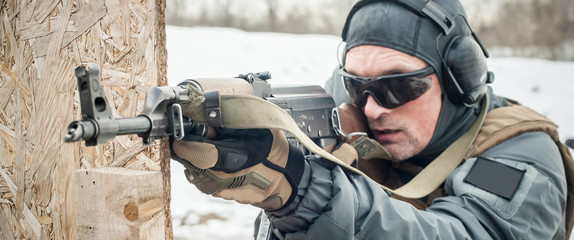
354, 90
392, 93
389, 91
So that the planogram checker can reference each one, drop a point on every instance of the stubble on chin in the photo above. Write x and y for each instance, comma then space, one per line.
406, 147
403, 150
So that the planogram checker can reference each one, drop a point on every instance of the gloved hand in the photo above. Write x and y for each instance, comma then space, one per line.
252, 166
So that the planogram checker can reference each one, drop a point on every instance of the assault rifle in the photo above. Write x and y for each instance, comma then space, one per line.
310, 106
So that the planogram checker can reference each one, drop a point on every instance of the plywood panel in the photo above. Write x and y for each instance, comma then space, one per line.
41, 42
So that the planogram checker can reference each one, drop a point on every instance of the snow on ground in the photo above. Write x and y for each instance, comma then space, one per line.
545, 86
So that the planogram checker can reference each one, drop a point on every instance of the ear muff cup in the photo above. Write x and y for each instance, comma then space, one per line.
465, 70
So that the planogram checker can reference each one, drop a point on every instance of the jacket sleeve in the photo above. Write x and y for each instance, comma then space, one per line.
334, 204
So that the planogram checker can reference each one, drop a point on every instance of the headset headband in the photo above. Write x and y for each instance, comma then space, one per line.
428, 9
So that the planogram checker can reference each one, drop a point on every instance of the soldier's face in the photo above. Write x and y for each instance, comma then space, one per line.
405, 130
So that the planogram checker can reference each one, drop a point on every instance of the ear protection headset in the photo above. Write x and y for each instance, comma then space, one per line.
463, 61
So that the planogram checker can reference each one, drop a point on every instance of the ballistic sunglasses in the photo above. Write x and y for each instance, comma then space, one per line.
390, 91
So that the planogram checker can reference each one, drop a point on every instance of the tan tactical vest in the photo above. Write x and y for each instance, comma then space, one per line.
500, 125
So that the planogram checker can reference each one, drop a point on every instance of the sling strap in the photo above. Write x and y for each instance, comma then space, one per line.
245, 111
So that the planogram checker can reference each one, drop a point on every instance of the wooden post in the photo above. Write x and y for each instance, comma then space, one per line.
41, 42
119, 203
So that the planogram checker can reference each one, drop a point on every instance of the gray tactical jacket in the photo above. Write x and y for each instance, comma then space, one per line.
334, 204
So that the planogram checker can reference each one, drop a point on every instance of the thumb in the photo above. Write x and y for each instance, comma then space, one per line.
200, 154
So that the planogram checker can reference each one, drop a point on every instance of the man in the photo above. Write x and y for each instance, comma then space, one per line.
418, 74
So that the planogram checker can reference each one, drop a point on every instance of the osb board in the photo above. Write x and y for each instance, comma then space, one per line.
41, 42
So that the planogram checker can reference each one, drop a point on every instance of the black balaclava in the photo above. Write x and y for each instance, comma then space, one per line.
392, 25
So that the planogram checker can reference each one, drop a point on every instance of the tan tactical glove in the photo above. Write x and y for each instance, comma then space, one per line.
252, 166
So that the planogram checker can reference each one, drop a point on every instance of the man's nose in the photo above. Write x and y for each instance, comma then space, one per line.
373, 110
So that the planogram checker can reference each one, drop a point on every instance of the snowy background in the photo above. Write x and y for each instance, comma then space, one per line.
546, 86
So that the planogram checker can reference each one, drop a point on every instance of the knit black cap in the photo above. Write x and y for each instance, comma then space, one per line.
423, 29
406, 26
